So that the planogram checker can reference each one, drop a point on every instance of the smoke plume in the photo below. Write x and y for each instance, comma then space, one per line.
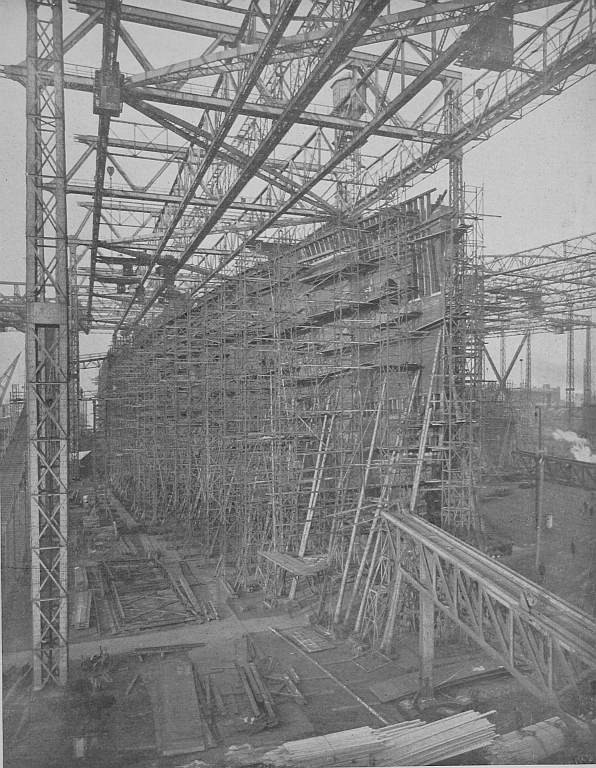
579, 446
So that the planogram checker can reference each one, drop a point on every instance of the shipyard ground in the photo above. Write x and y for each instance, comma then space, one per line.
339, 684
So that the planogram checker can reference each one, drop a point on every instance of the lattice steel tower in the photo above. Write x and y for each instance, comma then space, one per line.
47, 340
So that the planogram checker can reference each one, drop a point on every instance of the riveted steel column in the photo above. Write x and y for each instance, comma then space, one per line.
47, 341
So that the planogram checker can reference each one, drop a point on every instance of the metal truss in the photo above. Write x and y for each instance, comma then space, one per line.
263, 162
508, 616
110, 74
12, 308
536, 288
47, 342
217, 159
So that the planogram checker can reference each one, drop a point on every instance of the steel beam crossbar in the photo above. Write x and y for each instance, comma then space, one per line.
111, 34
330, 59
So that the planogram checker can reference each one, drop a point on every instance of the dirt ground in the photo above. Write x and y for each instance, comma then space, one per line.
112, 725
568, 547
123, 733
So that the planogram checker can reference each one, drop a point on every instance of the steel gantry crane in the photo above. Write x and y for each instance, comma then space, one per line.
248, 159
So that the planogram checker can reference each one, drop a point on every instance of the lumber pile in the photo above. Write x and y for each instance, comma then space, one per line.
432, 743
357, 746
410, 743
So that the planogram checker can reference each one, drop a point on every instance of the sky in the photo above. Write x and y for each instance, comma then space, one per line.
538, 178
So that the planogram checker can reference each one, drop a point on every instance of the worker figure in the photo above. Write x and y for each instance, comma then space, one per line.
572, 547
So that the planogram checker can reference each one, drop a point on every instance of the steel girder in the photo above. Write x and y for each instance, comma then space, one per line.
230, 154
47, 343
330, 59
274, 34
141, 195
547, 59
12, 311
507, 615
413, 21
359, 139
272, 38
508, 92
490, 99
536, 287
111, 34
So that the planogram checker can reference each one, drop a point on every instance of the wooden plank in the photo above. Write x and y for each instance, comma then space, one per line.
295, 565
125, 517
267, 700
218, 698
82, 609
411, 743
187, 589
204, 697
248, 690
293, 688
176, 711
162, 650
309, 639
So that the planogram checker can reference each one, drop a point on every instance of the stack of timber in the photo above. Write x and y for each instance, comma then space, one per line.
410, 743
357, 746
433, 743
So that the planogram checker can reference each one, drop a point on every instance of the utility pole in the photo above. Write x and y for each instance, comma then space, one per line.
539, 489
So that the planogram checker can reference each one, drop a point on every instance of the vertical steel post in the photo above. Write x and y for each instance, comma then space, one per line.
588, 368
528, 381
539, 490
47, 340
74, 380
570, 377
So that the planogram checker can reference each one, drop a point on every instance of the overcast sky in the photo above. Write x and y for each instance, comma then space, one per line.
537, 175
